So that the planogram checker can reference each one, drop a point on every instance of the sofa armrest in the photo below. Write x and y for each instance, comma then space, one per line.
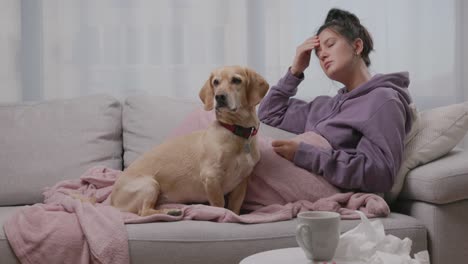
441, 181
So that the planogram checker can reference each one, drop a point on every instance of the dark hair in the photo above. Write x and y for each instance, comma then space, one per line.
348, 25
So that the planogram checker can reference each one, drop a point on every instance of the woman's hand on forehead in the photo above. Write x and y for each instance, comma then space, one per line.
303, 52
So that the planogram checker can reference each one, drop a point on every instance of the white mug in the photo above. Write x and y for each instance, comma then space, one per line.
318, 233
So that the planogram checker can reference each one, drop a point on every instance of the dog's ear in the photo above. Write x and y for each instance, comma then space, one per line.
257, 87
207, 94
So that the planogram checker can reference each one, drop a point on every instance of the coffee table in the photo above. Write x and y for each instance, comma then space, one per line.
293, 255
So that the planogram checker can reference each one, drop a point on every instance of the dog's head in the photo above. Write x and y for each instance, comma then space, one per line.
230, 88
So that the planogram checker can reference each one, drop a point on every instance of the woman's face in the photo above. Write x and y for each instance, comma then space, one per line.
335, 54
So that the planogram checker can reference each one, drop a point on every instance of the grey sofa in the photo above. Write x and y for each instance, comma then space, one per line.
43, 143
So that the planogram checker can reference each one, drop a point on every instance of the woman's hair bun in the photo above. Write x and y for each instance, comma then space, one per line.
342, 16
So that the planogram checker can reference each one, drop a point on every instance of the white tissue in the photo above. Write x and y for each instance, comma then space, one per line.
367, 243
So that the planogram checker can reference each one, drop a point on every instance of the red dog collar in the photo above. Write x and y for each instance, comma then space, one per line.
245, 132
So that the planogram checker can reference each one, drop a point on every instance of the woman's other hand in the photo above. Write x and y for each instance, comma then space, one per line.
303, 52
285, 148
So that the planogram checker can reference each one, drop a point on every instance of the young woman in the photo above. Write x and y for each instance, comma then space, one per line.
365, 123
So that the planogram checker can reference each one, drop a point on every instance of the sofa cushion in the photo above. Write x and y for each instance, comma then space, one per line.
210, 242
442, 181
46, 142
439, 130
148, 120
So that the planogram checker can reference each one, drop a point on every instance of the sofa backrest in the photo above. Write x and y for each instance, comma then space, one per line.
148, 120
46, 142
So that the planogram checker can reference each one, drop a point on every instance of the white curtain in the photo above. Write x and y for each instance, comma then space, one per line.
127, 47
10, 79
164, 47
67, 48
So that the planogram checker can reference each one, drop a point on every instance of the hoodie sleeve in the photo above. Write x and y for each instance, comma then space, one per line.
278, 109
372, 166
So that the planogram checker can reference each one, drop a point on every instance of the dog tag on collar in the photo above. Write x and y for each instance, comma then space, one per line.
247, 147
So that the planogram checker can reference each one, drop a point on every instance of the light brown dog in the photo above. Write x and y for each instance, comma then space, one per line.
205, 165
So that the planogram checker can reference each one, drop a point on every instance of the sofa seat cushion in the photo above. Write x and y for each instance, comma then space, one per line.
208, 242
211, 242
441, 181
46, 142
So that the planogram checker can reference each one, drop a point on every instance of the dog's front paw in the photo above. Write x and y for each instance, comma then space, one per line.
170, 211
174, 212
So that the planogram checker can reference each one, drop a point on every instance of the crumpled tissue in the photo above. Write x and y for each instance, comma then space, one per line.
367, 243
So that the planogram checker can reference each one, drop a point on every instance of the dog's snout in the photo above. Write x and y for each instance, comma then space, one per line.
221, 100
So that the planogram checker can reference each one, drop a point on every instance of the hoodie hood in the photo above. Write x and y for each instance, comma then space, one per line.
398, 81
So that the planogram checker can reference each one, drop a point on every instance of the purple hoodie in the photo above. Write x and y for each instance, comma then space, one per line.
365, 127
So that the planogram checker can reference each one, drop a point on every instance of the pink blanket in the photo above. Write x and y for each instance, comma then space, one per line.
95, 231
45, 233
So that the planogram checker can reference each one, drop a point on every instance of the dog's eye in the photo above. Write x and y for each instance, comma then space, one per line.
215, 82
236, 80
